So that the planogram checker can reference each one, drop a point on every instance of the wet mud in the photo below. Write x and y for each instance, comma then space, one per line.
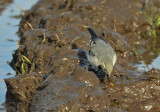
53, 73
3, 4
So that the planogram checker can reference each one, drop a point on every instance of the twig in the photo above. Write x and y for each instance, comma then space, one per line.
57, 37
18, 44
24, 57
74, 39
44, 37
29, 25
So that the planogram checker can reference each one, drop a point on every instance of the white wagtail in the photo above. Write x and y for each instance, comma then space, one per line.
101, 54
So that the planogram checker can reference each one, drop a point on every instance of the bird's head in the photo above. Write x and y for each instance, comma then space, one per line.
107, 66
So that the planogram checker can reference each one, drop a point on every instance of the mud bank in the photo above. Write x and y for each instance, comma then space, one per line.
53, 73
3, 4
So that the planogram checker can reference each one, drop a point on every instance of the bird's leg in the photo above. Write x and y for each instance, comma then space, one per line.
108, 77
86, 68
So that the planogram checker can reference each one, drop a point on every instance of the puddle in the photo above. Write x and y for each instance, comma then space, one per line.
9, 26
150, 57
147, 67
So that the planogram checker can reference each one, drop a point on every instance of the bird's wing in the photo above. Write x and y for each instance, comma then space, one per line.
114, 59
101, 49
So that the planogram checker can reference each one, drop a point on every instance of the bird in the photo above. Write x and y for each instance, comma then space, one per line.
101, 55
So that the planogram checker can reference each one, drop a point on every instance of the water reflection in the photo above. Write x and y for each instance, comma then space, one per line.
150, 57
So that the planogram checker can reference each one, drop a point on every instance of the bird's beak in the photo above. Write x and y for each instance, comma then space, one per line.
109, 80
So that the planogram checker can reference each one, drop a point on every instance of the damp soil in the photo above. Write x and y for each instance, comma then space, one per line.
53, 73
3, 4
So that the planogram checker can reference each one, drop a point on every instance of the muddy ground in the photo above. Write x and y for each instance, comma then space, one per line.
3, 4
53, 73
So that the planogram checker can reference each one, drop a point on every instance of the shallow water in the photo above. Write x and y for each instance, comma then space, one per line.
155, 63
8, 28
150, 57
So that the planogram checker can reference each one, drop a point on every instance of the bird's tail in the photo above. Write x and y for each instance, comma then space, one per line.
93, 34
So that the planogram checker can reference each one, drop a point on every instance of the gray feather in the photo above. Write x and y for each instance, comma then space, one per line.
100, 51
